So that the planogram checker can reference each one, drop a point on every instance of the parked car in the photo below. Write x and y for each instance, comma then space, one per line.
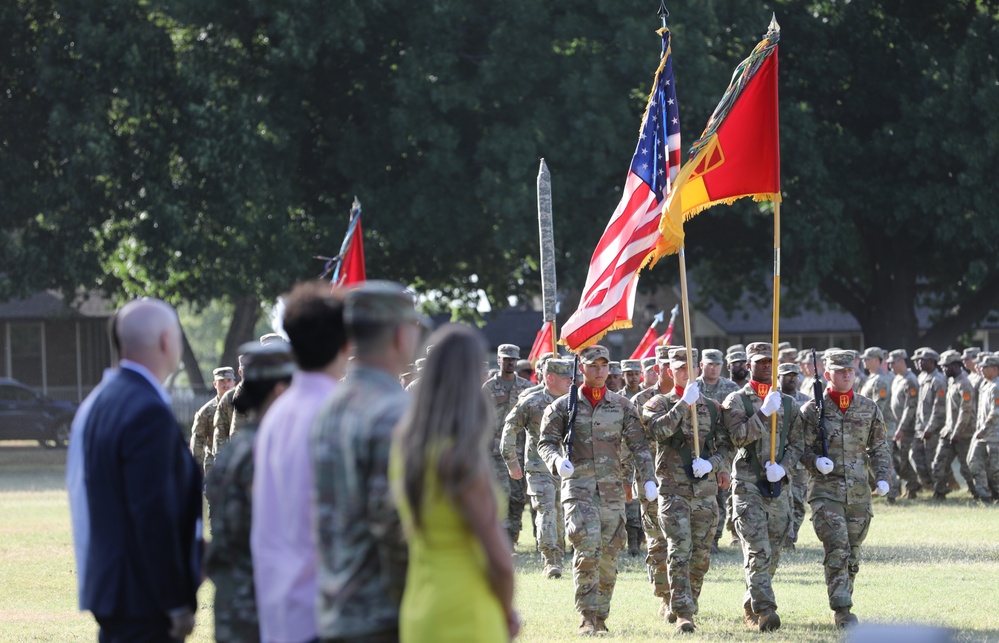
28, 415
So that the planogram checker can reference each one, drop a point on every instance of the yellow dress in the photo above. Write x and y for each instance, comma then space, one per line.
447, 595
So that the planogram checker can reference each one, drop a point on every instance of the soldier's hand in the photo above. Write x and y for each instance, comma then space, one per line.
824, 465
882, 488
691, 393
724, 480
515, 471
701, 467
181, 624
770, 403
651, 490
775, 472
565, 468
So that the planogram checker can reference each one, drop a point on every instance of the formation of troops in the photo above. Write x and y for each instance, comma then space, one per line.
669, 455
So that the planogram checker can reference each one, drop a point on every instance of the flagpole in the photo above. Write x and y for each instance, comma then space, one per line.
776, 329
688, 339
546, 233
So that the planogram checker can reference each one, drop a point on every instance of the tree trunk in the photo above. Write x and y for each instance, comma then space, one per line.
244, 319
191, 366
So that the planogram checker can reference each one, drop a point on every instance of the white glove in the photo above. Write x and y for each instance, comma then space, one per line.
770, 403
701, 467
882, 488
691, 393
775, 472
565, 468
651, 490
824, 465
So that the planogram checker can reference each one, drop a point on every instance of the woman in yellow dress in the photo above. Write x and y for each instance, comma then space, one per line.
459, 584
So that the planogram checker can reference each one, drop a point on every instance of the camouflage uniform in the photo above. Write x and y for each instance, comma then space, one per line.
930, 417
542, 486
878, 388
762, 522
504, 394
955, 438
657, 553
904, 398
201, 435
688, 509
593, 497
228, 562
362, 552
227, 421
718, 392
985, 471
841, 500
799, 485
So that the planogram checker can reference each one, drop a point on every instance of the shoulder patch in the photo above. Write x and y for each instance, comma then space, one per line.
940, 393
884, 393
967, 396
912, 391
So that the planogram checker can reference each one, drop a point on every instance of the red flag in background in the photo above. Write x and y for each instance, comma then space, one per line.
543, 343
352, 268
648, 341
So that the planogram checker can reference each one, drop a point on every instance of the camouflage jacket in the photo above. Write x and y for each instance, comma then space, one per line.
525, 417
596, 447
645, 395
878, 388
228, 561
227, 421
988, 411
202, 434
807, 385
668, 422
719, 390
960, 421
359, 537
856, 441
931, 409
859, 382
750, 434
503, 394
904, 398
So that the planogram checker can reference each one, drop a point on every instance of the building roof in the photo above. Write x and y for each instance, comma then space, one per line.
52, 304
513, 326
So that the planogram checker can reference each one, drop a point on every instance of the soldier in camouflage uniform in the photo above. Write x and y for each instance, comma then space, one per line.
877, 387
503, 389
716, 387
542, 486
650, 376
359, 538
839, 493
808, 377
688, 509
985, 468
223, 379
228, 562
223, 420
631, 370
788, 375
593, 481
959, 426
931, 413
904, 397
760, 494
736, 362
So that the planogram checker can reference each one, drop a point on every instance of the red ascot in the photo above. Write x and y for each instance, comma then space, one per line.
842, 400
678, 390
594, 395
760, 388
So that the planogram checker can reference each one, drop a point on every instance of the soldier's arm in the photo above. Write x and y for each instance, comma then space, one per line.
809, 418
220, 427
743, 430
198, 438
721, 459
965, 415
990, 425
938, 416
552, 431
662, 419
514, 423
634, 437
877, 448
795, 448
385, 524
908, 420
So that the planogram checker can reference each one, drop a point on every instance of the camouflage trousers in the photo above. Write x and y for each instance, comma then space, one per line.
903, 464
762, 524
799, 487
544, 491
944, 460
597, 533
633, 514
921, 456
689, 526
503, 480
724, 499
842, 528
235, 605
656, 559
983, 464
515, 507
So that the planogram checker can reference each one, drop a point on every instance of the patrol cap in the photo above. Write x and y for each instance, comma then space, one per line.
782, 345
805, 355
678, 356
630, 365
615, 368
712, 356
873, 352
382, 303
648, 362
560, 367
508, 350
735, 348
662, 352
272, 361
988, 359
523, 364
737, 356
971, 352
789, 367
223, 373
839, 359
897, 354
591, 354
950, 357
270, 338
788, 353
927, 353
759, 350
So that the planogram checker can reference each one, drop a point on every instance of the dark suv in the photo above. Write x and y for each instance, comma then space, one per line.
27, 415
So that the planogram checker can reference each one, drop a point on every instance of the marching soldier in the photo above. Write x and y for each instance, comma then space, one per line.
737, 370
959, 425
649, 373
788, 376
223, 380
224, 422
904, 398
931, 414
878, 388
983, 461
762, 507
615, 380
593, 481
631, 369
808, 375
716, 387
970, 359
688, 509
839, 493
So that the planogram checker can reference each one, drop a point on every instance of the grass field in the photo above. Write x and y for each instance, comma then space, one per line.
921, 563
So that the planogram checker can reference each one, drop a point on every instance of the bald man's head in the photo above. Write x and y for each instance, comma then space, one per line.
149, 332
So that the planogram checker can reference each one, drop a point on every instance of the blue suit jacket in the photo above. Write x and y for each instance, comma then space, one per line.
144, 497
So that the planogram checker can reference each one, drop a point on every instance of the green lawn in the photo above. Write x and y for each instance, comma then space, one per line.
922, 562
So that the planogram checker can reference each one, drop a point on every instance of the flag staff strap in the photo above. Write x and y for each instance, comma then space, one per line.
776, 329
687, 340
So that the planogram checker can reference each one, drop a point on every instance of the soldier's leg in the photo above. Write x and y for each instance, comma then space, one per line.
658, 552
778, 526
730, 518
614, 539
858, 521
515, 506
977, 456
752, 525
674, 520
903, 463
940, 468
830, 524
503, 482
582, 526
703, 519
633, 524
992, 467
961, 448
920, 456
722, 500
799, 486
541, 491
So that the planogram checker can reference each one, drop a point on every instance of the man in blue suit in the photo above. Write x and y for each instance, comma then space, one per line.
143, 490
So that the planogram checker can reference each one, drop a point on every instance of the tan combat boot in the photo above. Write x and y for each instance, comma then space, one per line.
843, 618
768, 620
588, 625
750, 618
684, 623
600, 625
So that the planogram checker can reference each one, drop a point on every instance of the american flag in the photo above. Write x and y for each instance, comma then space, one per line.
608, 299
